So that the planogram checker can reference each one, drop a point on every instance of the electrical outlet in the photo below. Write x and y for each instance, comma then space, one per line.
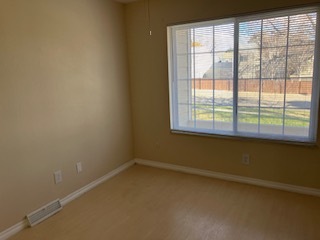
245, 159
57, 176
79, 167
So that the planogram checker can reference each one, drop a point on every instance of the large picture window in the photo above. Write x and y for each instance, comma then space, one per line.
251, 76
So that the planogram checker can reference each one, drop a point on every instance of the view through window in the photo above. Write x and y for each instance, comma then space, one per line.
251, 76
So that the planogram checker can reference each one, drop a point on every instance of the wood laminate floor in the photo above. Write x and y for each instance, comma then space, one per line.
149, 203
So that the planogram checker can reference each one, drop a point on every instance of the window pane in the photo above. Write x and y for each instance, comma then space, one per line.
301, 45
202, 58
183, 102
275, 32
212, 77
273, 63
250, 35
272, 106
223, 75
300, 71
248, 105
204, 108
223, 108
249, 64
182, 67
182, 40
249, 76
298, 107
302, 29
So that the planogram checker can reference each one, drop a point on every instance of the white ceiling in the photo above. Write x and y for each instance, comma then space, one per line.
125, 1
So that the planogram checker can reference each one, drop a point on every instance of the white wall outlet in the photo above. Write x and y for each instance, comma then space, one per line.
57, 176
79, 167
245, 159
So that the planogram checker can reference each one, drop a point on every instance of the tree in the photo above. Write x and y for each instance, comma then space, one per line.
287, 46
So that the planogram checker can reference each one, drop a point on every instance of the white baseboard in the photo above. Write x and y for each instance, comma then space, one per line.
95, 183
230, 177
23, 224
13, 230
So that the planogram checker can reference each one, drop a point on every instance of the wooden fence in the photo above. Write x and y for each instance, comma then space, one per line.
252, 85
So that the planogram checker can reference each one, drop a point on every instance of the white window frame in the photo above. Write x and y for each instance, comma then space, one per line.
311, 139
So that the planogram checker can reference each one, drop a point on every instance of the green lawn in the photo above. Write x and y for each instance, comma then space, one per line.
272, 116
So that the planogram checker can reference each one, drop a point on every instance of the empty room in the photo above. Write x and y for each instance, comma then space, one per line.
159, 119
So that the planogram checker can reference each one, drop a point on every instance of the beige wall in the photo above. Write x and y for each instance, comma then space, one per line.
291, 164
64, 98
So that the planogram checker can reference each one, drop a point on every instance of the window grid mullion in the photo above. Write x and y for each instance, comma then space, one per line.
235, 75
213, 78
189, 83
285, 78
194, 79
260, 77
175, 80
315, 84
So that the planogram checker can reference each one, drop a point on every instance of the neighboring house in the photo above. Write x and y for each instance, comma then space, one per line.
222, 70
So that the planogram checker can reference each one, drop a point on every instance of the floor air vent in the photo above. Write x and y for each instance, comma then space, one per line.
44, 212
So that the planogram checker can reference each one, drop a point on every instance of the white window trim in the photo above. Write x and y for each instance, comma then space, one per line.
311, 140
